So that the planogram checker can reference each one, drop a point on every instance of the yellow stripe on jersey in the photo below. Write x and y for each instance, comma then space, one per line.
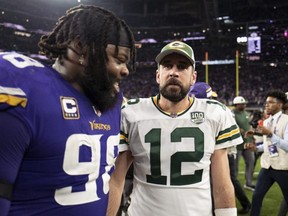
123, 138
229, 134
13, 96
13, 100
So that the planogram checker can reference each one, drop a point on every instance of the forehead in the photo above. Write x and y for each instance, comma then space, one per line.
123, 52
269, 98
175, 58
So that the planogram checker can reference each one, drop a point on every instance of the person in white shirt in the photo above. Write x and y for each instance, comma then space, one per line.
274, 160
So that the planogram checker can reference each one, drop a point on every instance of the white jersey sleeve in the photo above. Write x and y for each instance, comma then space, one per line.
172, 154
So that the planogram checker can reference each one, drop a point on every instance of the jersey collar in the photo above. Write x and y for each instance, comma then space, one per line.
156, 98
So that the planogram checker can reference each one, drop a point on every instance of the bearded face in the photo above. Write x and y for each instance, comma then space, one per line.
174, 90
98, 86
101, 81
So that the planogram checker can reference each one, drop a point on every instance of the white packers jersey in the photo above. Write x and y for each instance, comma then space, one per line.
172, 154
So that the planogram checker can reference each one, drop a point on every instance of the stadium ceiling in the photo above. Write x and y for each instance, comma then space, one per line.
203, 11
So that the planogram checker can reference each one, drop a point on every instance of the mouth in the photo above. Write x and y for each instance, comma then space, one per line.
116, 87
173, 82
173, 87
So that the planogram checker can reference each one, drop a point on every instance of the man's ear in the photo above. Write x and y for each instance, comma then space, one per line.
157, 76
78, 46
193, 78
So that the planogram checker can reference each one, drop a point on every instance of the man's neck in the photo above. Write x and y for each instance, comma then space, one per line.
173, 107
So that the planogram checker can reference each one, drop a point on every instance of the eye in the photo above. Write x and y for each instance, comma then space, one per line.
122, 60
182, 66
167, 66
119, 61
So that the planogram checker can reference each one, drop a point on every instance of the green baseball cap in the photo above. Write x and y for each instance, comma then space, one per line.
177, 47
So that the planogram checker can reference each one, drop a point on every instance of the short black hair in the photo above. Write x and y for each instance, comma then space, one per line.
278, 94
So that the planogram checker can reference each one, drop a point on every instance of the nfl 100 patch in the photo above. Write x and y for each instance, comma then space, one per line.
197, 117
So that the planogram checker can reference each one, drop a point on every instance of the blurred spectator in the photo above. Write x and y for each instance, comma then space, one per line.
201, 90
274, 160
242, 119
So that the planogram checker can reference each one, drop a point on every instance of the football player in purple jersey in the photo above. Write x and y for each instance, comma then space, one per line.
60, 125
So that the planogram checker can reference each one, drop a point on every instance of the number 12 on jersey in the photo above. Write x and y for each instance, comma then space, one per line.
154, 138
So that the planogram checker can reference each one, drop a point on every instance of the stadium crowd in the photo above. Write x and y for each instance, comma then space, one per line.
254, 82
255, 78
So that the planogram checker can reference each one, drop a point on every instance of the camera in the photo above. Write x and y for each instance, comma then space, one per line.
254, 123
257, 115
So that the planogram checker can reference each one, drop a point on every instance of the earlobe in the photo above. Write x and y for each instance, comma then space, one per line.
157, 76
81, 60
193, 78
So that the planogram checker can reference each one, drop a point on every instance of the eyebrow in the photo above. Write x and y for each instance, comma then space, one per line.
181, 62
121, 55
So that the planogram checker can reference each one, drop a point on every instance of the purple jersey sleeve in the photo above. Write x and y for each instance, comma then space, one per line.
14, 141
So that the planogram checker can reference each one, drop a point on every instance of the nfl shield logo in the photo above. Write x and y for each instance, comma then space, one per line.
197, 117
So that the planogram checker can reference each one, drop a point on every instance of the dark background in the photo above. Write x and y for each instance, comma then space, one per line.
209, 26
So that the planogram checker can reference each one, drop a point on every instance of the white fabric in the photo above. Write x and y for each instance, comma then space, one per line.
280, 139
172, 149
226, 212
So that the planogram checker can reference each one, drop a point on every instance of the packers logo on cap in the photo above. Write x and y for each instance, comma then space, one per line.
179, 48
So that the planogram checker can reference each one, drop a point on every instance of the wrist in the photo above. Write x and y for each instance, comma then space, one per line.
270, 135
226, 212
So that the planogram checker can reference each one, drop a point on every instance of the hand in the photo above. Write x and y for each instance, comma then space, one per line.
263, 130
249, 133
242, 131
251, 147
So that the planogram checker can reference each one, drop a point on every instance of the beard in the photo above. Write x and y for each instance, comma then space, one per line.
172, 94
98, 86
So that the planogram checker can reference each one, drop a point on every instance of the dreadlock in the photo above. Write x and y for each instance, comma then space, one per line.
92, 25
77, 23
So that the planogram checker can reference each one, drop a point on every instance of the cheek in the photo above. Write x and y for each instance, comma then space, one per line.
112, 67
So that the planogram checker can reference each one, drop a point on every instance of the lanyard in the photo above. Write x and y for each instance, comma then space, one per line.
276, 123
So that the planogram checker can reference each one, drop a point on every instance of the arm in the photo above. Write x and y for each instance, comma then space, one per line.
117, 181
281, 143
254, 148
14, 141
223, 190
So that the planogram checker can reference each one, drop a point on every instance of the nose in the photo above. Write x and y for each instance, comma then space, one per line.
124, 71
174, 71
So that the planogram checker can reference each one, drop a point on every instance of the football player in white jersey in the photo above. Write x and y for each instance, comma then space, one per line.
177, 145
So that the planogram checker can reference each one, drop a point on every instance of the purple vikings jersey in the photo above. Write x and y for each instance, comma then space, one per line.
63, 153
